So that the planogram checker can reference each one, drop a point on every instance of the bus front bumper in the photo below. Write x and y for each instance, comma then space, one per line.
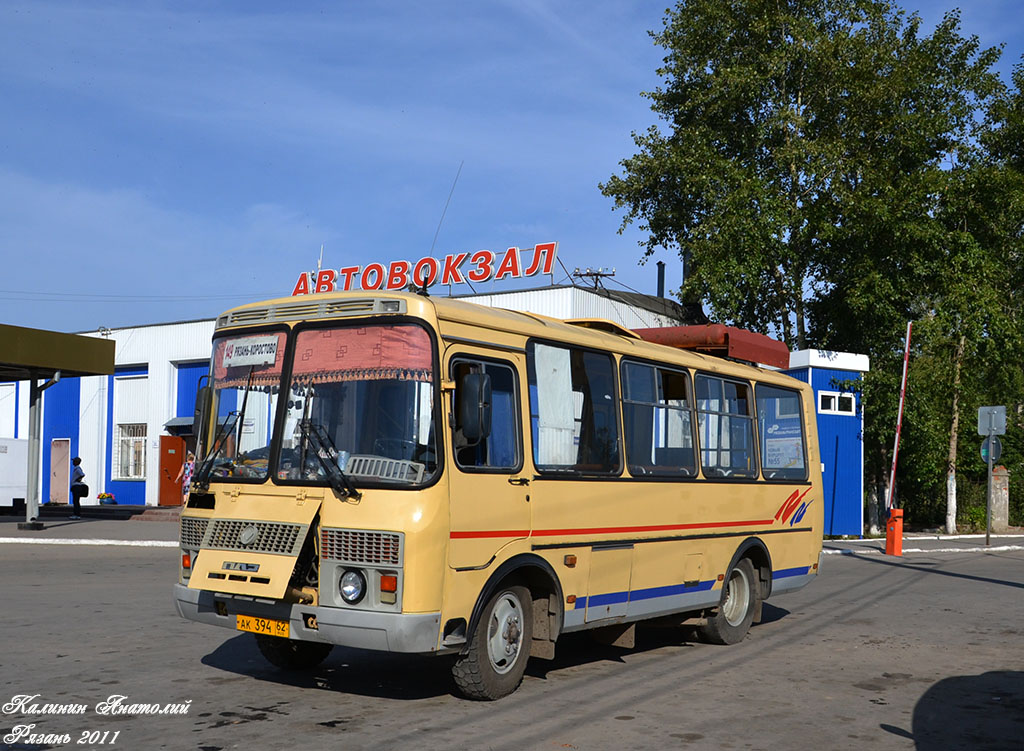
362, 629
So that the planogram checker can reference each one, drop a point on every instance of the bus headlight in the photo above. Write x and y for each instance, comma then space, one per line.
352, 586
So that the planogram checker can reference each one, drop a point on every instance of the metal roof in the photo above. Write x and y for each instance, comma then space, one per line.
34, 353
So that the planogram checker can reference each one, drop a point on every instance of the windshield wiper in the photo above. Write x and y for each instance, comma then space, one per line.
324, 450
202, 479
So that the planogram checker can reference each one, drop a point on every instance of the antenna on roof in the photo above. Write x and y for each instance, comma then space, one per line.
445, 210
315, 275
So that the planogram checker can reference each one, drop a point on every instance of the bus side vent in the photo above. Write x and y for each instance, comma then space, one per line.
310, 309
358, 546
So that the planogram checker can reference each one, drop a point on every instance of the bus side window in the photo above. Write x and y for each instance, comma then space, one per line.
500, 449
725, 427
781, 429
573, 409
657, 415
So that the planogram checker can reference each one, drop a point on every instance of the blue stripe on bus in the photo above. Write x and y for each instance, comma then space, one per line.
787, 572
641, 594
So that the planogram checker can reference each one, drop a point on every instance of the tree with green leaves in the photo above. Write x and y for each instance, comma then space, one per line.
802, 162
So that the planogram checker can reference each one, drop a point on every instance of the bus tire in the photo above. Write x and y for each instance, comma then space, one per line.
493, 666
740, 600
290, 654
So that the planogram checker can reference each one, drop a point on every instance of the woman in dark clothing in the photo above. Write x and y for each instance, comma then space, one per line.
78, 487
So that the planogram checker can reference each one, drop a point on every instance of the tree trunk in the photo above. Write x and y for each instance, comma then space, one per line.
953, 431
876, 495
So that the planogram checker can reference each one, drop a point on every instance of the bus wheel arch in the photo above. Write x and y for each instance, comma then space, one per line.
537, 575
747, 584
518, 611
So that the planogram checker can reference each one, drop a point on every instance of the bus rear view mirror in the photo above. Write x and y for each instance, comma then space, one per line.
474, 407
204, 398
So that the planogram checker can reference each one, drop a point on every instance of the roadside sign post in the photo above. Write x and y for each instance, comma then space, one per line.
991, 423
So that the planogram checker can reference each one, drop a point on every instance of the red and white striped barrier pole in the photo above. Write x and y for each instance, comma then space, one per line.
899, 422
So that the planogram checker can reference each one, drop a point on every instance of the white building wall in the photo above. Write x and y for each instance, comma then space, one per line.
573, 302
157, 348
92, 425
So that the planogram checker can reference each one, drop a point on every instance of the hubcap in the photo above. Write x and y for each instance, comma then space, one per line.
737, 598
505, 633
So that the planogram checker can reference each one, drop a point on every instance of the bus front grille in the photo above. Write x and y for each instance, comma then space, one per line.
192, 532
358, 546
255, 536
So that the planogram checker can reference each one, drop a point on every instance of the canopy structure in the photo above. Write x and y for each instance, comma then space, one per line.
33, 355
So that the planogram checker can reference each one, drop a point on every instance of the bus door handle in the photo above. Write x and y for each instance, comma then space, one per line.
519, 481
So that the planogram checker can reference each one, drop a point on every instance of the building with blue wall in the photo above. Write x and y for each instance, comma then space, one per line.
835, 378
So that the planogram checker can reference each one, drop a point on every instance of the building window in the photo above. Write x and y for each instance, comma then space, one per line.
130, 452
836, 403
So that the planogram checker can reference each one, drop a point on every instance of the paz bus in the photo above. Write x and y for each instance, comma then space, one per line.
398, 472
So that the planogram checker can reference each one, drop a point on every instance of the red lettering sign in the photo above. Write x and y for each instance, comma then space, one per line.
427, 271
451, 274
398, 275
484, 260
509, 265
302, 285
325, 280
378, 277
347, 273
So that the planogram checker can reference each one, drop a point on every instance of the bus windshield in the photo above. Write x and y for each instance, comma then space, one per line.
368, 390
246, 381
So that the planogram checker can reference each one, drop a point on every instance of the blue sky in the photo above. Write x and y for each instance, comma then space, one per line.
166, 161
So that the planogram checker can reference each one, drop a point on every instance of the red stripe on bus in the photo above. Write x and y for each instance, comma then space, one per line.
605, 530
490, 533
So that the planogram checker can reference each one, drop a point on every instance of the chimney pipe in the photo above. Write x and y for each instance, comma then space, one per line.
661, 278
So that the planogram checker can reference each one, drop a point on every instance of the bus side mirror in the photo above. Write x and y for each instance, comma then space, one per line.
474, 408
204, 398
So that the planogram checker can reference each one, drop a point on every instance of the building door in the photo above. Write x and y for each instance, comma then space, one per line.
60, 469
172, 456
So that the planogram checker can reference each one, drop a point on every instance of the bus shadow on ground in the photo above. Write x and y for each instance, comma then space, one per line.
350, 671
581, 648
410, 677
969, 711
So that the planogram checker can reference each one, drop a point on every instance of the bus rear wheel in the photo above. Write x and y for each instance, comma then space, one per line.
735, 612
289, 654
499, 648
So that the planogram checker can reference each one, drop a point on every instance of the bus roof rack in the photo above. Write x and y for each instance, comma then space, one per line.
722, 341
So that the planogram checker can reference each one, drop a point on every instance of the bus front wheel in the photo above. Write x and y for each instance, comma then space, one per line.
494, 665
731, 621
289, 654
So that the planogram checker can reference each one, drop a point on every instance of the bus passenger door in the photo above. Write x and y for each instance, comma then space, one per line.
489, 493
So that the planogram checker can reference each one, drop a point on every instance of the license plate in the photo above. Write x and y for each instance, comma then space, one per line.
268, 626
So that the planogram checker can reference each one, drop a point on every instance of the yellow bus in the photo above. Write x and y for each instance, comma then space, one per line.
398, 472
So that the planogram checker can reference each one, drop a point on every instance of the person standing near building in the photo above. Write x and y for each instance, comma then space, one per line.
185, 475
78, 488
